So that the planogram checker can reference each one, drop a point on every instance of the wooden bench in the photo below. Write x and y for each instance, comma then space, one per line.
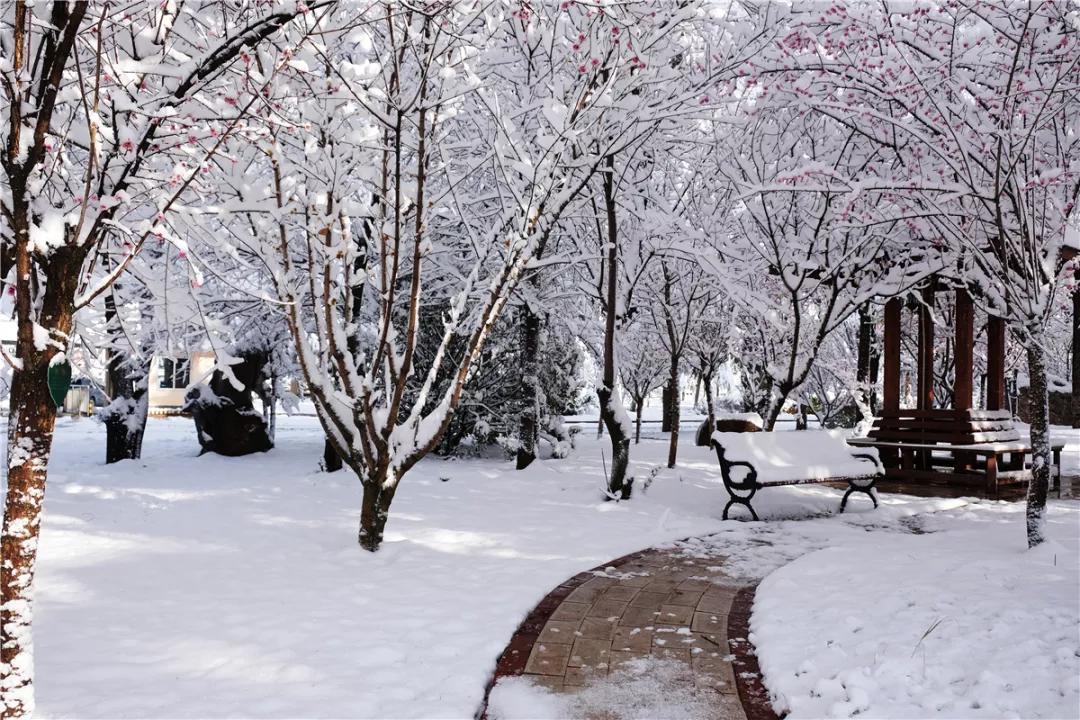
1002, 463
977, 447
752, 461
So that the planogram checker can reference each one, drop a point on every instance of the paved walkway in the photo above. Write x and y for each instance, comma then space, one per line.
602, 627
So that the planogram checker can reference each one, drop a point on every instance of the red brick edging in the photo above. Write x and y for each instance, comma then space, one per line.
752, 692
516, 655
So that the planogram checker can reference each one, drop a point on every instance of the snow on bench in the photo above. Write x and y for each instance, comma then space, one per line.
751, 461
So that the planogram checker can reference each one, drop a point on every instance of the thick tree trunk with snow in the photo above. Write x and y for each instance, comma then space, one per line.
30, 433
125, 416
374, 510
611, 410
618, 485
529, 425
777, 399
1040, 444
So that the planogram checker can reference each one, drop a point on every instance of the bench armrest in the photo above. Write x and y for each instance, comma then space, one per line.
872, 458
748, 482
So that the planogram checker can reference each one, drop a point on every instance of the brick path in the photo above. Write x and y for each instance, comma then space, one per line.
658, 603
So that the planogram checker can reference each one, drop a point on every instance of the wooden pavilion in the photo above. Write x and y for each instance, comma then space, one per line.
976, 451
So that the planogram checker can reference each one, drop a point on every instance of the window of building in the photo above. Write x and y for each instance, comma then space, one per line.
173, 373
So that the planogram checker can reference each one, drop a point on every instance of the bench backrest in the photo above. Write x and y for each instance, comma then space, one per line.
796, 455
954, 427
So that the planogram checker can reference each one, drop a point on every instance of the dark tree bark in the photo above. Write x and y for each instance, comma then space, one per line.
778, 397
667, 400
125, 417
31, 430
866, 371
618, 485
127, 376
637, 420
673, 422
531, 394
374, 510
710, 400
30, 435
1039, 485
331, 459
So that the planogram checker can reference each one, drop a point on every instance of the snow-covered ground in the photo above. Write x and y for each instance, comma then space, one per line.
960, 622
182, 586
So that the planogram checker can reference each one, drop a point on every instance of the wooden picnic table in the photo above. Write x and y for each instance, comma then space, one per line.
1001, 461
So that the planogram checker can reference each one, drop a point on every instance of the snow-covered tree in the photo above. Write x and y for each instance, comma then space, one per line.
977, 103
112, 115
680, 297
397, 177
642, 366
810, 240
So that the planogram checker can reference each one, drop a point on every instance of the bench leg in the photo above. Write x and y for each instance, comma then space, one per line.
736, 500
854, 486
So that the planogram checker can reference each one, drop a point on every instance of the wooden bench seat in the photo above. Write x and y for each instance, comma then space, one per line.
752, 461
988, 463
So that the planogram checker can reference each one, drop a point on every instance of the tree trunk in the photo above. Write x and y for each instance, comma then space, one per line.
529, 426
269, 403
30, 434
31, 422
126, 379
610, 414
800, 416
777, 397
864, 358
1076, 354
331, 459
673, 381
666, 398
125, 416
710, 402
1040, 444
374, 510
640, 401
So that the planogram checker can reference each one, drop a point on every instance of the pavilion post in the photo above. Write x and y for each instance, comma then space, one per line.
995, 363
925, 364
891, 354
965, 342
965, 362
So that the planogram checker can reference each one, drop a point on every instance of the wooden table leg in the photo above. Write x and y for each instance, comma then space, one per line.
991, 476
